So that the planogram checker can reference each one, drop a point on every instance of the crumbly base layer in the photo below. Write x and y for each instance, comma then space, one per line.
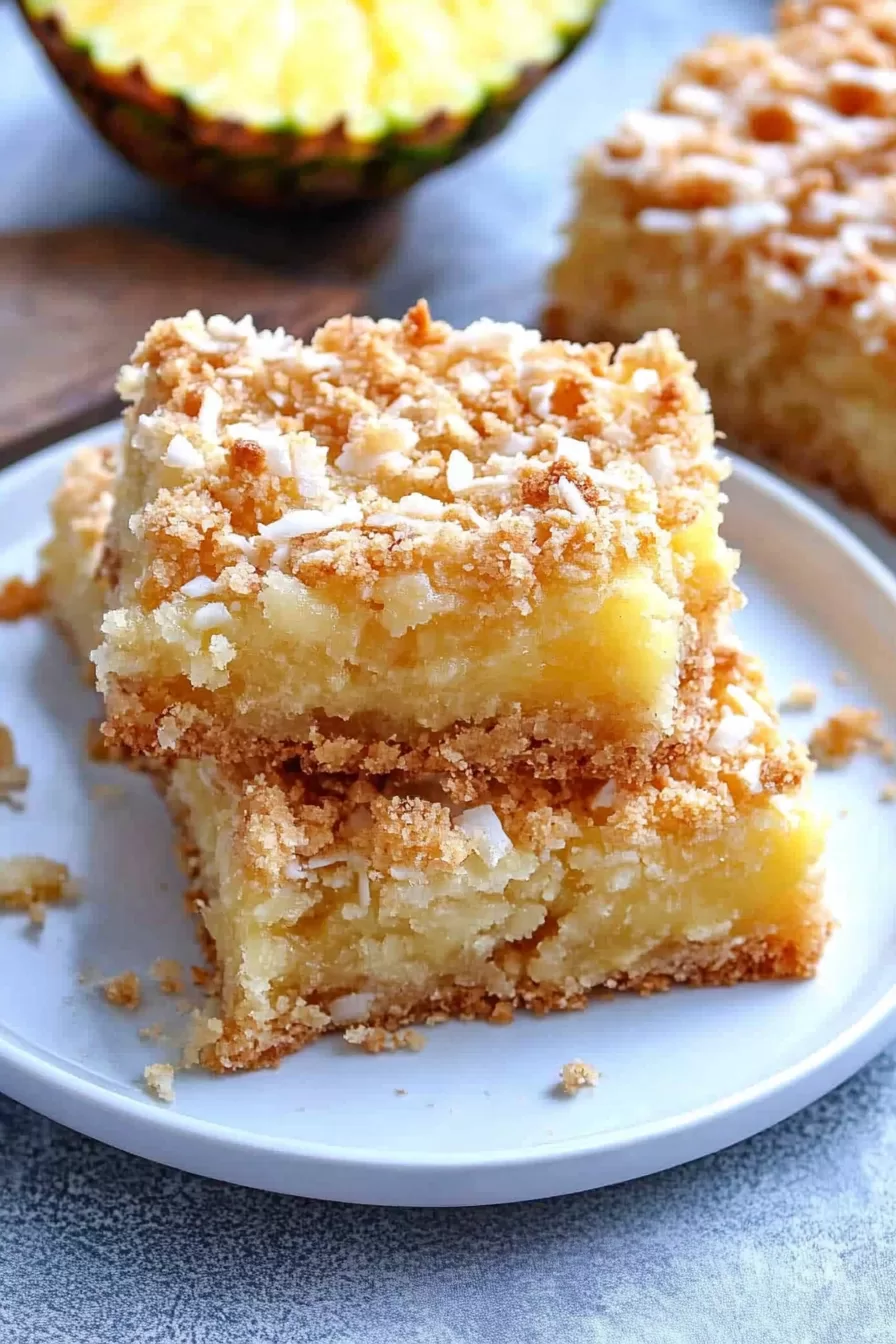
711, 963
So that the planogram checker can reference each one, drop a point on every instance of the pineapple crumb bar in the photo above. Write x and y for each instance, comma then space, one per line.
329, 903
404, 546
754, 211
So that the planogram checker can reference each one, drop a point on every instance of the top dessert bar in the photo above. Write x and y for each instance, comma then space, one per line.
754, 211
407, 547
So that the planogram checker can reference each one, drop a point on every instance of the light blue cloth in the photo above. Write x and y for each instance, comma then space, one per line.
789, 1238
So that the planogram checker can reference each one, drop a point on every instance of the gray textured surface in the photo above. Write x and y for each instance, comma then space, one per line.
791, 1237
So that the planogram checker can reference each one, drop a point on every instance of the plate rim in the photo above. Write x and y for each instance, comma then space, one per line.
38, 1081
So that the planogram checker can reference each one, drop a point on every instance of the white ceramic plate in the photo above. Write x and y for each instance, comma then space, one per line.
478, 1120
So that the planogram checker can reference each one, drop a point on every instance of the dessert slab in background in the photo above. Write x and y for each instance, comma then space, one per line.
478, 1119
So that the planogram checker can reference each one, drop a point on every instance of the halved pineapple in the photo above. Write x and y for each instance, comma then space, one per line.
272, 101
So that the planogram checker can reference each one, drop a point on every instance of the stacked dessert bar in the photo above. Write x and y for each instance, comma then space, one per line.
426, 629
754, 211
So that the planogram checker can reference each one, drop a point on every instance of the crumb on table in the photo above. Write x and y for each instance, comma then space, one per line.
20, 598
845, 733
123, 991
154, 1032
802, 695
575, 1075
168, 975
159, 1080
374, 1040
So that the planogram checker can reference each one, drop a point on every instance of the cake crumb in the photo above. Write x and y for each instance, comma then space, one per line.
30, 883
502, 1014
123, 991
840, 678
802, 695
841, 736
374, 1040
20, 598
159, 1080
401, 1091
13, 777
575, 1075
888, 792
887, 750
154, 1032
168, 975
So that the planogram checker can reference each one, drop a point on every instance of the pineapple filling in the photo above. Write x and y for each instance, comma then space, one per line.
369, 66
422, 659
590, 908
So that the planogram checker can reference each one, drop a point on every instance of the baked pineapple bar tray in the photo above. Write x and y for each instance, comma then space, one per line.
363, 904
407, 547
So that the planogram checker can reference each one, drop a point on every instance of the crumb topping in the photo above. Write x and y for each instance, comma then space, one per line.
575, 1075
394, 447
843, 735
18, 598
123, 991
778, 150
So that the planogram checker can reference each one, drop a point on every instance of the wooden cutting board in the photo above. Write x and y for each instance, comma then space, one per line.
74, 302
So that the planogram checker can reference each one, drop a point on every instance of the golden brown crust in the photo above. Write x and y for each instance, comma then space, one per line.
694, 964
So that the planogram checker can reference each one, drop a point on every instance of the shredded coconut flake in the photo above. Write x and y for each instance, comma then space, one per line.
212, 614
351, 1007
209, 414
201, 586
183, 455
730, 733
307, 522
573, 499
576, 451
482, 825
459, 473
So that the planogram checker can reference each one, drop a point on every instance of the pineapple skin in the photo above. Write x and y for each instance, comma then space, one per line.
284, 169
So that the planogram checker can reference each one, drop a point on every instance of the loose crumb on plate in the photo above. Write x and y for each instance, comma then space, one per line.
575, 1075
154, 1032
802, 695
20, 598
840, 678
887, 750
888, 792
401, 1091
13, 777
845, 733
374, 1040
31, 883
159, 1080
168, 975
123, 991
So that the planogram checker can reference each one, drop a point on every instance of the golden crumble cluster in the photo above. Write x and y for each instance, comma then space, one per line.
422, 630
753, 209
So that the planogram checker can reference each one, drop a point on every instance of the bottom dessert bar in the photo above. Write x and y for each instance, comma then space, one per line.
327, 902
